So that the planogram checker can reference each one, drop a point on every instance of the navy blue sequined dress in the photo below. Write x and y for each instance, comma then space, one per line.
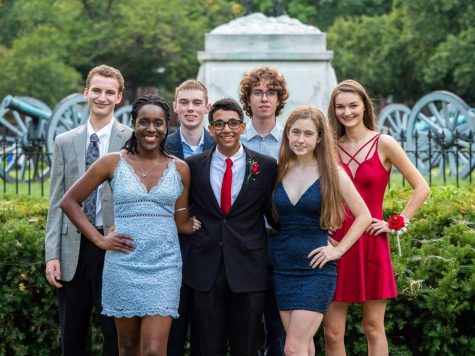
297, 285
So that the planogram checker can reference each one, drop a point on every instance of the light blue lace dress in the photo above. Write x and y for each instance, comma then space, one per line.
146, 281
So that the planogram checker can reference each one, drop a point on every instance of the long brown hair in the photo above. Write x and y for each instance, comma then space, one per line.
333, 212
351, 86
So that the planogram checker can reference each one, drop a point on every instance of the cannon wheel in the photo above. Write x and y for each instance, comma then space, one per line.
123, 114
444, 113
393, 119
23, 157
68, 114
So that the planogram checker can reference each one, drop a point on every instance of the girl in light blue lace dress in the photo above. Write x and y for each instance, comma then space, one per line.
142, 267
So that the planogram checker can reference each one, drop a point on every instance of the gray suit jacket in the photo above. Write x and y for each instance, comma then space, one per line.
68, 165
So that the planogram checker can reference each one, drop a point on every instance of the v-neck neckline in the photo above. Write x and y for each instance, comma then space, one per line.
301, 196
137, 177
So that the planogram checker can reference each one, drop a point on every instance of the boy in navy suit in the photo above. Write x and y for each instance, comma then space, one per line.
191, 105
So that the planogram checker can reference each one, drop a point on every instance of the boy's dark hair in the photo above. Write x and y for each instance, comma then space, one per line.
226, 104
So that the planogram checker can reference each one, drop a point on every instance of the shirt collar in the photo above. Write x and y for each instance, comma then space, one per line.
222, 158
102, 133
183, 140
276, 131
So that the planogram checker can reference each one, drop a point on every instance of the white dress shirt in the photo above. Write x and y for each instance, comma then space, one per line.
104, 136
218, 167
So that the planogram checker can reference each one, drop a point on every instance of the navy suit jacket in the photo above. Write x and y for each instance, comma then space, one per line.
175, 147
238, 238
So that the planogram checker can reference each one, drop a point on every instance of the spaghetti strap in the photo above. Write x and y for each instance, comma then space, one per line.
375, 142
353, 157
341, 148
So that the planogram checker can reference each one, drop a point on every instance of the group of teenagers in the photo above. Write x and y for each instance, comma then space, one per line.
215, 235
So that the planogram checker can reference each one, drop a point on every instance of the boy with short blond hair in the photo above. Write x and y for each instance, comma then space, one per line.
191, 106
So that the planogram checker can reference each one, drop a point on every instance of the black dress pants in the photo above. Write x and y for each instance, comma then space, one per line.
179, 329
77, 300
230, 318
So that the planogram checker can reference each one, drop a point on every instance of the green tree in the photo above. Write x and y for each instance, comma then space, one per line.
50, 45
323, 13
34, 60
416, 48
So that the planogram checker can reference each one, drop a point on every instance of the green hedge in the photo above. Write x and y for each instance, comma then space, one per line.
28, 317
433, 314
435, 311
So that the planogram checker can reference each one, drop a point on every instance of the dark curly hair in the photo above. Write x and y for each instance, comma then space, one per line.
275, 81
131, 144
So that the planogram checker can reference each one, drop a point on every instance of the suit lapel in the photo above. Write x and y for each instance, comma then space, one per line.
205, 176
175, 144
117, 137
208, 140
79, 143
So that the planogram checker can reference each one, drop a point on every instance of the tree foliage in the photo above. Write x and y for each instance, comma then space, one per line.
399, 49
48, 46
417, 47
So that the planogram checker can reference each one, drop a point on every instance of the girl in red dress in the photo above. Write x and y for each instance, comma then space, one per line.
365, 272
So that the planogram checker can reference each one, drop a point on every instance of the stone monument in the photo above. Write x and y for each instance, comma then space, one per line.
296, 50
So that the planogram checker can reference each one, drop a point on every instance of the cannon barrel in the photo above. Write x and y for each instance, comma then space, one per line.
15, 104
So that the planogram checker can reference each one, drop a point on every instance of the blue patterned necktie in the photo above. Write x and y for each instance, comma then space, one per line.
92, 154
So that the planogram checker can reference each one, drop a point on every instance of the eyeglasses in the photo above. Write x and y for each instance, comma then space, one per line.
219, 125
268, 93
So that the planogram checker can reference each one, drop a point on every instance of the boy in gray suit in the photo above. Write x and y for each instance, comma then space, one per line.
73, 263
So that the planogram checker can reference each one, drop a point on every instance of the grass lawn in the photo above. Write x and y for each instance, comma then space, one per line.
396, 180
41, 189
37, 189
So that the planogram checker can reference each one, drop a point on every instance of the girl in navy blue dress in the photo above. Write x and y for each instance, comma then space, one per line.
309, 199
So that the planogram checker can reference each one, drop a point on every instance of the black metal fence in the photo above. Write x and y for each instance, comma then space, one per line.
24, 167
443, 158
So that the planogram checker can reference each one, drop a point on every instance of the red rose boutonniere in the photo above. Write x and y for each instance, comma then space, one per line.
253, 169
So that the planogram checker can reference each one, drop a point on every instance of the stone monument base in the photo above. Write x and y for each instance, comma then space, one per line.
296, 50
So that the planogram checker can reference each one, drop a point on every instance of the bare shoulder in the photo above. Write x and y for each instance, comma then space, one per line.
388, 142
110, 159
181, 165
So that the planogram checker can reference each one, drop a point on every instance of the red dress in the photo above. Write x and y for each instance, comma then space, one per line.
365, 271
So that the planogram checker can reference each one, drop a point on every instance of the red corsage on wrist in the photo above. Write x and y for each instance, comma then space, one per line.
398, 224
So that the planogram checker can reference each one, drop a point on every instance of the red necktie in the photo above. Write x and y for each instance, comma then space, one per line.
226, 187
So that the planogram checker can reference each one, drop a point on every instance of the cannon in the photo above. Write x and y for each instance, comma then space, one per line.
28, 128
438, 132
